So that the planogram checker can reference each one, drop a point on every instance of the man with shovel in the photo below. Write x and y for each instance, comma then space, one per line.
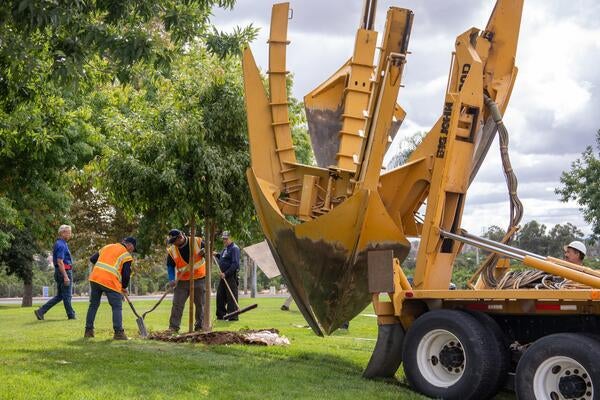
229, 264
179, 277
110, 275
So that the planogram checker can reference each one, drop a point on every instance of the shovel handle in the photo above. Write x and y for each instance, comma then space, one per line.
227, 284
231, 293
158, 302
131, 305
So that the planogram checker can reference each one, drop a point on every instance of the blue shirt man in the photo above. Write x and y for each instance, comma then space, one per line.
229, 259
61, 251
63, 265
229, 264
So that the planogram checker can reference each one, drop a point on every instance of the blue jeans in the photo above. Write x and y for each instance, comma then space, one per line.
64, 293
115, 299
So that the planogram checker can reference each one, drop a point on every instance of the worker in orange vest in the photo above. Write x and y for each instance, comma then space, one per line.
179, 277
110, 275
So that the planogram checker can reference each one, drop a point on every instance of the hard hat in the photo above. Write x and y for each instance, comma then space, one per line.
577, 245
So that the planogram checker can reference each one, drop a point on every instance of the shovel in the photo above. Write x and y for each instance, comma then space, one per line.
239, 310
139, 320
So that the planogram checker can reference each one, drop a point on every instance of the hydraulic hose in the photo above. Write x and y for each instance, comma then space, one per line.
516, 207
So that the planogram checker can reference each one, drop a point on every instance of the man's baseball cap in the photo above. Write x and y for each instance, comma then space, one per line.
173, 235
131, 240
225, 235
577, 245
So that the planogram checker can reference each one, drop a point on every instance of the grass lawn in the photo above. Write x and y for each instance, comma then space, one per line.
50, 359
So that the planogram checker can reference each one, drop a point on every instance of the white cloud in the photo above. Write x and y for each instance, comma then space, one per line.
546, 212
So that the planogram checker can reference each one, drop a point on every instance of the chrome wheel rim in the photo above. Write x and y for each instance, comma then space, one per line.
441, 358
562, 377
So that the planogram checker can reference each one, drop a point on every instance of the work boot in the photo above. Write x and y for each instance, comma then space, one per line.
285, 308
89, 333
172, 331
120, 335
38, 315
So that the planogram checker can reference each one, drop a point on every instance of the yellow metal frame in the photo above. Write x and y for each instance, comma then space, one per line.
324, 257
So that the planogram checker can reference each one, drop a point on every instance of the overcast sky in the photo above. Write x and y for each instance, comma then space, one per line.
553, 114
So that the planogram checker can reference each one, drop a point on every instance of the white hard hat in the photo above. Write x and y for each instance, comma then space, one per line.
577, 245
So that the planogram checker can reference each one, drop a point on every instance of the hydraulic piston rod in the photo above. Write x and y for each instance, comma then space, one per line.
368, 17
574, 273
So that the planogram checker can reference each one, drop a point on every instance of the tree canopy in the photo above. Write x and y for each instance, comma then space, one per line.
61, 62
187, 152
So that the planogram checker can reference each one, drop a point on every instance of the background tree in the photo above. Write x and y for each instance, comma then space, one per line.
495, 233
532, 237
582, 184
54, 54
561, 235
405, 148
19, 260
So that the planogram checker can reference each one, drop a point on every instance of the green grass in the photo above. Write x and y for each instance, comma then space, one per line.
50, 359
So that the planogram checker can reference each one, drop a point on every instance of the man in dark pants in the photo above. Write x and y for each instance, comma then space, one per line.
110, 275
61, 258
229, 264
179, 277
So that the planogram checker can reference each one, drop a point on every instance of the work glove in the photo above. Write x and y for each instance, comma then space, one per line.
172, 284
202, 252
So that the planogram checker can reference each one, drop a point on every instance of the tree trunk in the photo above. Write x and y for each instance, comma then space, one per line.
245, 262
27, 295
192, 242
253, 290
210, 234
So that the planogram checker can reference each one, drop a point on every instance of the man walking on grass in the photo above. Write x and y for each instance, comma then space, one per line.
110, 275
63, 265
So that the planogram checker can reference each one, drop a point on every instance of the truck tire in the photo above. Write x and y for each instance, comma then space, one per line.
502, 345
449, 354
560, 366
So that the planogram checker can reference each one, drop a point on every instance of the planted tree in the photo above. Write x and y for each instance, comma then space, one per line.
187, 164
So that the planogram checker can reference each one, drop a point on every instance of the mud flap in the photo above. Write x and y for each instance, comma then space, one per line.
387, 355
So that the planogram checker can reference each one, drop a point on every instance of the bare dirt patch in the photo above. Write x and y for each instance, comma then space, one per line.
262, 337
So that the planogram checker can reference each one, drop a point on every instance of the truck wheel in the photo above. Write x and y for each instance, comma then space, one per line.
501, 343
449, 354
560, 366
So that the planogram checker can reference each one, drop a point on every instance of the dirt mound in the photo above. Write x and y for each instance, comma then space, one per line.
263, 337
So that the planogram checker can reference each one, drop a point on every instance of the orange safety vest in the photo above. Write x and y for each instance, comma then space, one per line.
182, 267
107, 270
